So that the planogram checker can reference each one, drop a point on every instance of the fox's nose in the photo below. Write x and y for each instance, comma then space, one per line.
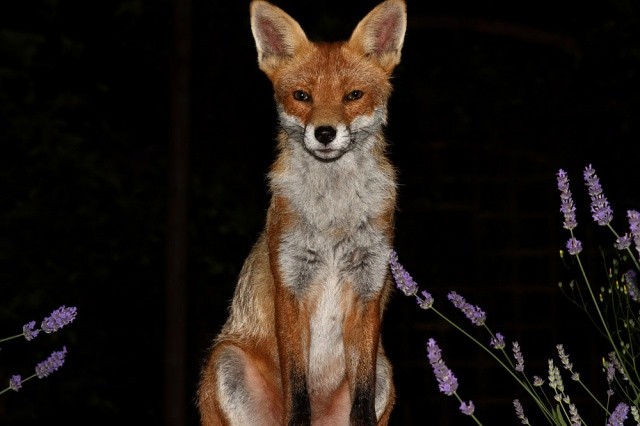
325, 134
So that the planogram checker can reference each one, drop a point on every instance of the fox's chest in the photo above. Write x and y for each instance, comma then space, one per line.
333, 250
330, 275
313, 261
326, 347
335, 234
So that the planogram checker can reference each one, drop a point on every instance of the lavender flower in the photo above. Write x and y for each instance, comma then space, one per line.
403, 279
630, 278
42, 370
520, 412
623, 242
619, 415
600, 209
610, 370
51, 364
427, 300
476, 315
634, 222
497, 342
518, 357
555, 379
15, 382
54, 322
58, 319
567, 207
613, 359
634, 226
447, 382
467, 409
575, 418
564, 358
29, 332
574, 246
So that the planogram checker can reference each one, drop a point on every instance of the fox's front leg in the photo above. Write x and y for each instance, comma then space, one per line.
291, 317
361, 346
293, 337
368, 368
372, 391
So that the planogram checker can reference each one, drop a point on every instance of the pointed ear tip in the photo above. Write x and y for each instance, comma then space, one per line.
399, 3
256, 5
395, 6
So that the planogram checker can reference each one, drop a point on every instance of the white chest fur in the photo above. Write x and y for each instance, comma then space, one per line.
336, 205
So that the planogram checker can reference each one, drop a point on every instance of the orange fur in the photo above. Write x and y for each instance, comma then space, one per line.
302, 342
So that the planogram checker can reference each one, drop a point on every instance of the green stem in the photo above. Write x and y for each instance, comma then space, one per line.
7, 389
473, 416
614, 344
11, 337
535, 397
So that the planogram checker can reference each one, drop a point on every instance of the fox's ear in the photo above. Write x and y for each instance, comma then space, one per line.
380, 34
277, 35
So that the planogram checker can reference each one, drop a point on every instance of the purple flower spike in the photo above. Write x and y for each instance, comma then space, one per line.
467, 409
520, 412
476, 315
58, 319
403, 280
426, 301
518, 357
600, 209
574, 246
567, 207
631, 279
447, 382
15, 382
619, 415
51, 364
623, 242
634, 226
29, 332
497, 342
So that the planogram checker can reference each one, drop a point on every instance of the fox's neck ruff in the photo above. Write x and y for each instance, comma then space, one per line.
345, 193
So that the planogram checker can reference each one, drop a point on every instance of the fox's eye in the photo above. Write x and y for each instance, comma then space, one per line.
353, 95
301, 95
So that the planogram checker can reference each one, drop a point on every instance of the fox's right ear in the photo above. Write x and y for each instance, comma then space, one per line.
277, 35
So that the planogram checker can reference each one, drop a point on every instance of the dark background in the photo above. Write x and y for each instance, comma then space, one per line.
103, 103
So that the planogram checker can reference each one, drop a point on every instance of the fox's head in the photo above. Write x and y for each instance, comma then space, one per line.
331, 97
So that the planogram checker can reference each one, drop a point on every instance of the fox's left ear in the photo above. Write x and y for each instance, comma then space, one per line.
380, 34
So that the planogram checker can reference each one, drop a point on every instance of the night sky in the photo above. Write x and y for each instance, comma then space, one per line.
490, 100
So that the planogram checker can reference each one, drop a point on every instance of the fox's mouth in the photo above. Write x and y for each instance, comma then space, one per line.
327, 154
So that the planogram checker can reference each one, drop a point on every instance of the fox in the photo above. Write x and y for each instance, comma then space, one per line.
302, 342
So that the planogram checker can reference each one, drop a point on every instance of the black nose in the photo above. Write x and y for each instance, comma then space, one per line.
325, 134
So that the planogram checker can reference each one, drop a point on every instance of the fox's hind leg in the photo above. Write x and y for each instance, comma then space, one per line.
239, 388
